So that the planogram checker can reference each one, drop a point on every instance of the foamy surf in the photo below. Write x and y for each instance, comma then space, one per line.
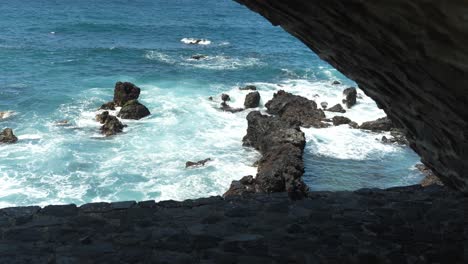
194, 41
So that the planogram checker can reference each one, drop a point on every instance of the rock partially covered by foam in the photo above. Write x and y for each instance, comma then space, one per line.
124, 92
350, 97
248, 87
294, 108
200, 163
336, 109
7, 136
6, 114
133, 110
252, 100
340, 120
111, 124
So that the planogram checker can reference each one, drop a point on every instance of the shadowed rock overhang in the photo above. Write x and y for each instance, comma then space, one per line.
410, 56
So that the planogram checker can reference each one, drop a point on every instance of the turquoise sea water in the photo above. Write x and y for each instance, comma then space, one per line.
61, 59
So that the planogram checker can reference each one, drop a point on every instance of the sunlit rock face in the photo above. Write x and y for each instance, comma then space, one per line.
410, 56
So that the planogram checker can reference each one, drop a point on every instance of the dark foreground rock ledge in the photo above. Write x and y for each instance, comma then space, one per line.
410, 56
402, 225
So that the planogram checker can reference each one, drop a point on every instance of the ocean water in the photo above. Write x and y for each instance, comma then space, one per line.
60, 60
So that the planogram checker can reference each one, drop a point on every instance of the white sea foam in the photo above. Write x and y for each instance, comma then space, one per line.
6, 114
159, 56
195, 41
222, 63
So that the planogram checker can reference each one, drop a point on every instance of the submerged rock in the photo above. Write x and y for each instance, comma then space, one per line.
133, 110
252, 100
336, 109
189, 164
396, 136
62, 123
227, 108
248, 87
199, 57
294, 108
108, 106
381, 124
111, 124
336, 83
124, 92
7, 136
350, 97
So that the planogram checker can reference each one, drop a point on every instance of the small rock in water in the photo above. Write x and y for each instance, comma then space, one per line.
336, 108
199, 57
350, 97
248, 87
225, 97
7, 136
381, 124
341, 120
324, 105
252, 100
62, 123
124, 92
133, 110
111, 124
108, 106
336, 82
210, 98
227, 108
353, 124
200, 163
6, 114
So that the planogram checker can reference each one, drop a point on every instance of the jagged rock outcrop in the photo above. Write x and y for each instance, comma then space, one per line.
124, 92
410, 56
252, 100
248, 87
111, 125
350, 95
199, 163
336, 109
133, 110
7, 136
340, 120
295, 108
281, 167
379, 125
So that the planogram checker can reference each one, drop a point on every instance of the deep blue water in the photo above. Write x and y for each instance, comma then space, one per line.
61, 59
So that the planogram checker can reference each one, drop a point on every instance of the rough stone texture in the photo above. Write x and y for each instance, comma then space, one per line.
340, 120
108, 106
124, 92
336, 109
133, 110
379, 125
111, 124
281, 167
430, 178
350, 95
252, 100
410, 56
295, 108
402, 225
7, 136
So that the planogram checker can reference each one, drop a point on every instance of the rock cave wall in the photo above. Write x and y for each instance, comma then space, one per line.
410, 56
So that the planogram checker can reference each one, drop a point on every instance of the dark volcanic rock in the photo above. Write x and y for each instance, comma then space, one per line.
324, 105
396, 136
225, 97
336, 109
199, 57
252, 100
243, 186
294, 108
381, 124
197, 163
430, 178
248, 87
350, 95
409, 56
108, 106
111, 124
340, 120
124, 92
281, 167
399, 225
336, 83
227, 108
7, 136
133, 110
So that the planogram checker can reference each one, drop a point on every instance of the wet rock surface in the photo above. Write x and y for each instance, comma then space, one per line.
7, 136
281, 144
340, 120
248, 87
409, 56
133, 110
252, 100
350, 95
124, 92
338, 108
111, 124
379, 125
108, 106
430, 178
227, 108
400, 225
200, 163
294, 108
